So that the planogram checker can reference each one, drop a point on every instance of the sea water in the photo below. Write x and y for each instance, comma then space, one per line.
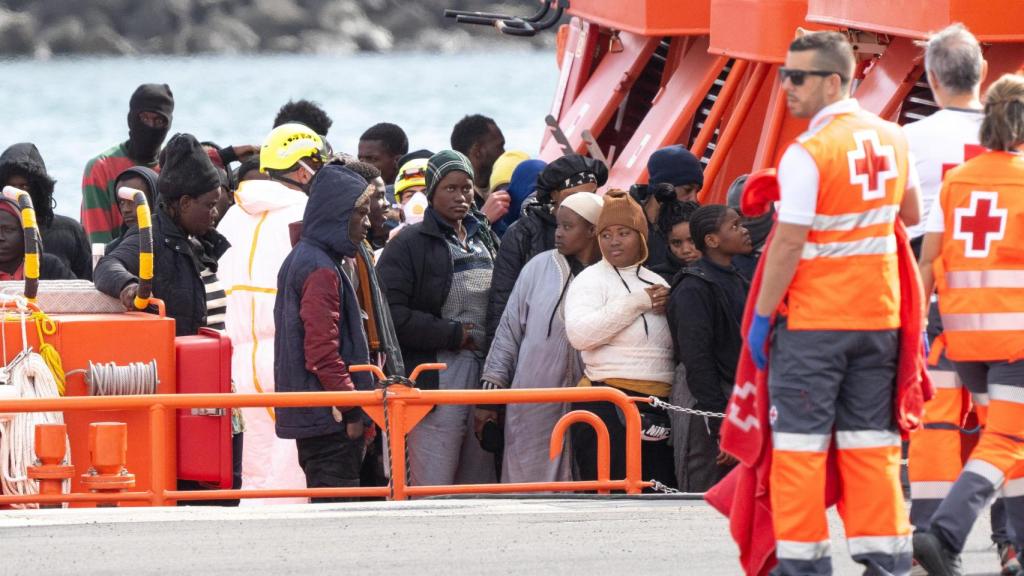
74, 108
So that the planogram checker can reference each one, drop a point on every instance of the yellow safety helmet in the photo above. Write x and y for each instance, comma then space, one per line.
289, 143
412, 173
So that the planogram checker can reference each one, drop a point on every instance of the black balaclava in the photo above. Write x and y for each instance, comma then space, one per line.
144, 142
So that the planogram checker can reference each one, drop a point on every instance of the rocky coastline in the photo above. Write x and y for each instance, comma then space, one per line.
46, 28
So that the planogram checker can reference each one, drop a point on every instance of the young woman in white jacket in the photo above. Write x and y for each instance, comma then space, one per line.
615, 317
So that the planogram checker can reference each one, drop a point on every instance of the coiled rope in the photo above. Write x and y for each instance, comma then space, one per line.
31, 377
112, 380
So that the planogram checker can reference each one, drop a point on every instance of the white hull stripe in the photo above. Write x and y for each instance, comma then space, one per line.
866, 247
855, 220
991, 322
887, 545
929, 490
1013, 488
985, 279
1006, 393
791, 550
945, 379
846, 439
985, 470
979, 398
790, 442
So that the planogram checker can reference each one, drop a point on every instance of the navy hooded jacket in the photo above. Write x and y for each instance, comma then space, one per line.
319, 322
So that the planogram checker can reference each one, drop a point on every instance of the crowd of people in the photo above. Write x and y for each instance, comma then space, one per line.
517, 273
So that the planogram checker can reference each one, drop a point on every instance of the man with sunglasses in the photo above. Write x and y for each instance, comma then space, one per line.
258, 228
831, 274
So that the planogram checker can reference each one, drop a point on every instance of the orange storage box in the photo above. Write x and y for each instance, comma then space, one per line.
647, 17
989, 20
757, 30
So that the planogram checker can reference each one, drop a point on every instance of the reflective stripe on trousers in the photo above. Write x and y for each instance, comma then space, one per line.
839, 380
934, 459
997, 457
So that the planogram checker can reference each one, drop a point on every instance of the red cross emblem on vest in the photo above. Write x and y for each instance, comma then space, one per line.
871, 164
981, 223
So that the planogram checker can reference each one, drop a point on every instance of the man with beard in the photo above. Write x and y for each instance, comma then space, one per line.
150, 113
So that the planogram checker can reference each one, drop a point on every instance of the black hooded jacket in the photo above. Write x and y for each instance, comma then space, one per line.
62, 237
532, 234
319, 323
151, 177
705, 324
176, 270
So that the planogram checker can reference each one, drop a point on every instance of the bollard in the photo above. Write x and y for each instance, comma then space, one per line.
51, 448
108, 452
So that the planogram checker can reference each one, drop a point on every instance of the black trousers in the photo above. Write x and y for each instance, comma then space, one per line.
701, 452
331, 461
656, 457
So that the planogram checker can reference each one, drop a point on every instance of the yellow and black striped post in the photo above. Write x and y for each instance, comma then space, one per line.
145, 221
33, 244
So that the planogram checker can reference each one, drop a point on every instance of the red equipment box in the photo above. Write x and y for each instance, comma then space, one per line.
204, 435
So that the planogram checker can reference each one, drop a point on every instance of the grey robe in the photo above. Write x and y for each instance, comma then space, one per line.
524, 355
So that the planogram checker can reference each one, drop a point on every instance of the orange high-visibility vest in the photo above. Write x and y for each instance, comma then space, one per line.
980, 273
847, 278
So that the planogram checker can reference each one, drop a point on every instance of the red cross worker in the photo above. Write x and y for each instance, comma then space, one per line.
973, 252
832, 281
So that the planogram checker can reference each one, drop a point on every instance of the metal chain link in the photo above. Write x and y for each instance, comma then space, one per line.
659, 487
386, 439
659, 403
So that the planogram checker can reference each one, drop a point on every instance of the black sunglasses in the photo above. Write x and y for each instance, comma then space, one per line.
797, 76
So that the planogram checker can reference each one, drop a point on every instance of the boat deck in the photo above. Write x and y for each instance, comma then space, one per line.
490, 536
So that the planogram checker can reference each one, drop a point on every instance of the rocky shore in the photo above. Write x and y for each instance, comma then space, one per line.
45, 28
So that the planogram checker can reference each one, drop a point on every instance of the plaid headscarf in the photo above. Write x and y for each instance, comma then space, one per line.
442, 164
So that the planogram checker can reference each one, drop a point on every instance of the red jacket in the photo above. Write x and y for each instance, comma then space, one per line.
743, 496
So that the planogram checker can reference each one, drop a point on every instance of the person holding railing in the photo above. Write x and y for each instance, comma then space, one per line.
615, 317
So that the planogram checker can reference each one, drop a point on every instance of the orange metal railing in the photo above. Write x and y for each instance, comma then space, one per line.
405, 407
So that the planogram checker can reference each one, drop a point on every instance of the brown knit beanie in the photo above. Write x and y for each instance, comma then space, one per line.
620, 209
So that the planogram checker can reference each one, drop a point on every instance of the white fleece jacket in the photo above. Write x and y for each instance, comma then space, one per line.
605, 322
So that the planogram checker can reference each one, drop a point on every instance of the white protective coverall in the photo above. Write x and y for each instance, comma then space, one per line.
257, 227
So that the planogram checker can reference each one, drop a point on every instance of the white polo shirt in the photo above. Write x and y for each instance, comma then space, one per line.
938, 143
798, 173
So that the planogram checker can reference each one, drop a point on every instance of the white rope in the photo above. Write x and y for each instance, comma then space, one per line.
30, 377
113, 380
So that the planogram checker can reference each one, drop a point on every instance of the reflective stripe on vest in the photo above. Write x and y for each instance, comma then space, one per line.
980, 273
846, 222
848, 278
866, 247
985, 279
990, 322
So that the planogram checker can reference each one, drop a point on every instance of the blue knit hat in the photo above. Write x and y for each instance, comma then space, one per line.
674, 165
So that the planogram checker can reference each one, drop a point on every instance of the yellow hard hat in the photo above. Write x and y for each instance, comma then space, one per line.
287, 144
412, 173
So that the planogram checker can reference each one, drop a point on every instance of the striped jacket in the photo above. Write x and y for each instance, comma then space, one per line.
101, 217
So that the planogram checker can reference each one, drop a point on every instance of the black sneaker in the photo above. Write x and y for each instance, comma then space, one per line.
934, 557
